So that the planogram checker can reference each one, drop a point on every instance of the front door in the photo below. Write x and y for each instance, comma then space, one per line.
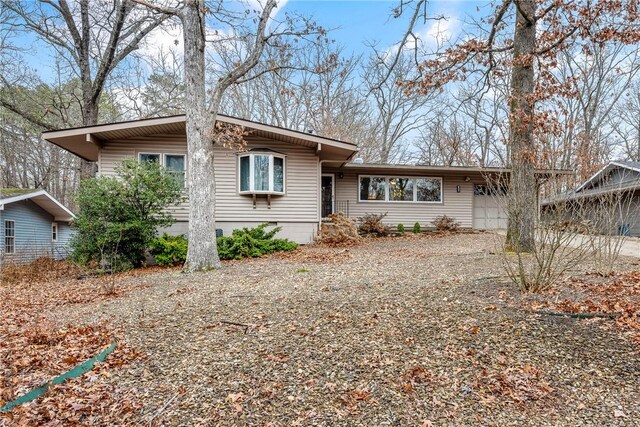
328, 192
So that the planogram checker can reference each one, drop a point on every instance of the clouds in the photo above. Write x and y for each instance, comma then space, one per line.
170, 38
438, 33
258, 5
163, 40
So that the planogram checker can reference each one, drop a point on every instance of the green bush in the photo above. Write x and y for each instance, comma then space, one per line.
169, 250
119, 215
401, 228
252, 243
416, 227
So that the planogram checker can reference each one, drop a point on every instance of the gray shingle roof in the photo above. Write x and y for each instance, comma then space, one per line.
629, 163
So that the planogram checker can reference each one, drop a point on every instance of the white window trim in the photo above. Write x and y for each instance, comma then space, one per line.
164, 159
149, 154
415, 190
54, 225
13, 242
163, 162
271, 173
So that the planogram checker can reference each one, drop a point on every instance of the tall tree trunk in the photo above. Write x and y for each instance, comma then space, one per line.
90, 118
522, 189
203, 250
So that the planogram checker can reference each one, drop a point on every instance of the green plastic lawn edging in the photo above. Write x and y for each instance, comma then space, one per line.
579, 315
79, 370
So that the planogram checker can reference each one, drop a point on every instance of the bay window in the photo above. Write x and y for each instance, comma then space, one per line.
261, 172
400, 189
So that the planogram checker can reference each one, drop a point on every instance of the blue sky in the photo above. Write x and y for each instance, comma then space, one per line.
358, 22
354, 24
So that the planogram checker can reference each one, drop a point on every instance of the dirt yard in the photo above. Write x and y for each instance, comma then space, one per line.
394, 332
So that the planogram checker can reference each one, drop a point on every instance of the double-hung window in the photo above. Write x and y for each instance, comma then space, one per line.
54, 232
261, 172
149, 157
400, 189
9, 236
175, 163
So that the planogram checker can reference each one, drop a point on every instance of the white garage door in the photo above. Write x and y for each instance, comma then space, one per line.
487, 212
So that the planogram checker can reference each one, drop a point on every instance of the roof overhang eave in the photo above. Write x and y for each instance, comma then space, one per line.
46, 202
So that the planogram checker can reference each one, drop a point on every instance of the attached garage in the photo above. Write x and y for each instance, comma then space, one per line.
488, 214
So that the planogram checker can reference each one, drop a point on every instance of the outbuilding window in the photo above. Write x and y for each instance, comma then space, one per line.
400, 189
261, 172
54, 232
9, 236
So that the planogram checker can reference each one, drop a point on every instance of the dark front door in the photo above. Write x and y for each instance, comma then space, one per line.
327, 195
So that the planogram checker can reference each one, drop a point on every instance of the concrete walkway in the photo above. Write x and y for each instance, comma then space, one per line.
630, 246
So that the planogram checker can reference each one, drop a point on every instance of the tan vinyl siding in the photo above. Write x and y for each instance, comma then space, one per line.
299, 204
457, 205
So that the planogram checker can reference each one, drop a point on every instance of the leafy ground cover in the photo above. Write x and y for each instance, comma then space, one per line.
416, 330
36, 346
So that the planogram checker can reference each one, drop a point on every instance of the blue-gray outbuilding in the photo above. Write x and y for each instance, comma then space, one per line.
33, 224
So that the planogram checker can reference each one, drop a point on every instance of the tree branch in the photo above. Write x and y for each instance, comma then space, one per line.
161, 9
27, 115
250, 62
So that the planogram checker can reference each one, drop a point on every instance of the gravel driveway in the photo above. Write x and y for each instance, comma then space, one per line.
399, 332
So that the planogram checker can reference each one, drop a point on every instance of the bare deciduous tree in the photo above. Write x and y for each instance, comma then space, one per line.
396, 114
626, 122
541, 30
202, 106
93, 39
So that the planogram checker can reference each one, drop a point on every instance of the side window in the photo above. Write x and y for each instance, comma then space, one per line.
175, 163
149, 157
54, 232
9, 236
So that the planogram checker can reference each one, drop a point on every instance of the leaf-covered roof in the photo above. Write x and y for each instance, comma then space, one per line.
5, 193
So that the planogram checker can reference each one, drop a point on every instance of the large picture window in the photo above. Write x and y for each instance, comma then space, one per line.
262, 172
372, 188
400, 189
9, 236
429, 190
